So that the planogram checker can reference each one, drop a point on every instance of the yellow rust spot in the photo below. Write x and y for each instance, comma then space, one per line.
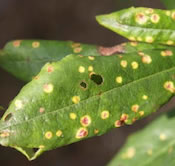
162, 137
135, 108
41, 146
144, 97
4, 134
124, 63
168, 13
134, 65
77, 50
81, 133
17, 43
105, 114
48, 135
85, 120
119, 79
141, 53
155, 18
134, 44
72, 116
141, 18
18, 104
81, 69
96, 131
59, 133
118, 123
139, 39
173, 15
149, 39
129, 154
90, 68
132, 38
41, 110
146, 59
141, 113
124, 117
149, 11
170, 42
50, 69
169, 85
74, 45
48, 88
91, 58
35, 44
149, 152
166, 53
76, 99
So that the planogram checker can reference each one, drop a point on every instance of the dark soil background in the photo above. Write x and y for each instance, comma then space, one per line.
64, 20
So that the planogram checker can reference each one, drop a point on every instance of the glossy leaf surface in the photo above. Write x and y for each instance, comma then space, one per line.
153, 146
142, 24
80, 97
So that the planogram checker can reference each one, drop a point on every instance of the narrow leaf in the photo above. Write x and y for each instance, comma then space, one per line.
142, 24
80, 97
153, 146
24, 58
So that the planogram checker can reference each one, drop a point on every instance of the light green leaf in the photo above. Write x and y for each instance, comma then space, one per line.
153, 146
24, 58
169, 4
80, 97
142, 24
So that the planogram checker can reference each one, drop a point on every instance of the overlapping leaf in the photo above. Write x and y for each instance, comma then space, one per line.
80, 97
142, 24
153, 146
24, 58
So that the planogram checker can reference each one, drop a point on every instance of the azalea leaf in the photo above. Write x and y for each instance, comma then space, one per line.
142, 24
80, 97
25, 58
154, 145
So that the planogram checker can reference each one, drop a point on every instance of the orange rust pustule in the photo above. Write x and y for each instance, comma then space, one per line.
108, 51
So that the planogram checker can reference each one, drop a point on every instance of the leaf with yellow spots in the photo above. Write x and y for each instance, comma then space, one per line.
25, 58
78, 104
155, 145
142, 24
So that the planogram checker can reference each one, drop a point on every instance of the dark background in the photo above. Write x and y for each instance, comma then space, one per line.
64, 20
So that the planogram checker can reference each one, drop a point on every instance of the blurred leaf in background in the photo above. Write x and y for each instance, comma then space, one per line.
169, 4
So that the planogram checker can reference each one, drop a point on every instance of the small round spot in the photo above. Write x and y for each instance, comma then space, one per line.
105, 114
132, 38
141, 113
124, 117
169, 85
74, 45
144, 97
155, 18
118, 123
149, 39
77, 50
146, 59
41, 146
4, 134
48, 135
76, 99
41, 110
96, 131
81, 69
124, 63
48, 88
134, 65
141, 18
139, 39
135, 108
50, 69
150, 152
90, 68
119, 79
130, 152
141, 53
17, 43
170, 150
168, 13
166, 53
134, 44
173, 15
149, 11
170, 42
72, 116
35, 44
85, 120
162, 137
18, 104
81, 133
59, 133
91, 58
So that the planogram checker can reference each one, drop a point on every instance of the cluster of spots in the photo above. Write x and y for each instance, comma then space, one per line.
72, 116
76, 47
18, 104
129, 154
35, 44
105, 114
135, 109
48, 88
76, 99
85, 120
123, 119
119, 79
169, 85
166, 53
134, 65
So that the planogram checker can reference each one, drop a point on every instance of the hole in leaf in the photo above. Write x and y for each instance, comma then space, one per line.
8, 117
83, 85
96, 78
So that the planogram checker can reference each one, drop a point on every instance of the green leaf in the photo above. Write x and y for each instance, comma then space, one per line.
142, 24
153, 146
169, 4
80, 97
24, 59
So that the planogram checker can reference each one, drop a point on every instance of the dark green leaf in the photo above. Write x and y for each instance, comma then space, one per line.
153, 146
24, 59
80, 97
142, 24
169, 4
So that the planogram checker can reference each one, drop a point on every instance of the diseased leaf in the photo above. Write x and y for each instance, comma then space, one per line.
80, 97
169, 4
24, 58
142, 24
153, 146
